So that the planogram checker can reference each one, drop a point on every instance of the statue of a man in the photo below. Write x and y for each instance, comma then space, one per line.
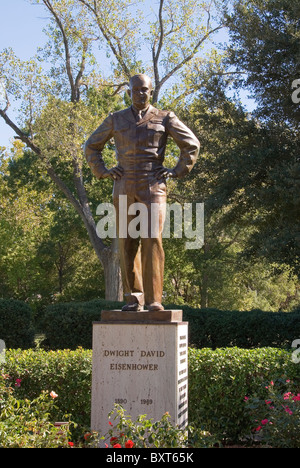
140, 134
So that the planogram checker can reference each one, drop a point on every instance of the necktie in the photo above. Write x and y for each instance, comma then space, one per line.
139, 116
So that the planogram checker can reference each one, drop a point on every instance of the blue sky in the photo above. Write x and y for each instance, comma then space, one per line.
21, 26
22, 29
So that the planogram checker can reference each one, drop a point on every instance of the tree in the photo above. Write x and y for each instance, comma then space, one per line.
55, 114
44, 256
175, 37
265, 45
233, 179
24, 218
57, 132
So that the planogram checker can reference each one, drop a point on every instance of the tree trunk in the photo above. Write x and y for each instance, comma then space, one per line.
204, 291
112, 273
109, 259
205, 279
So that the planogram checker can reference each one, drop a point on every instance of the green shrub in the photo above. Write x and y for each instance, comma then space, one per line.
25, 423
69, 325
209, 328
16, 328
276, 417
145, 433
67, 373
219, 380
213, 328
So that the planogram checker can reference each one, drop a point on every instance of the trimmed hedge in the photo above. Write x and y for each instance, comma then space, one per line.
213, 328
218, 383
16, 325
70, 325
67, 373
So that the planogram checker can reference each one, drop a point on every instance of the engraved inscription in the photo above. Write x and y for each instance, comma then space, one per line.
126, 366
118, 353
138, 354
152, 353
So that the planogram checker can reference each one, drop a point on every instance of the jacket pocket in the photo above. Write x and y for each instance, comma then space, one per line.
122, 136
151, 134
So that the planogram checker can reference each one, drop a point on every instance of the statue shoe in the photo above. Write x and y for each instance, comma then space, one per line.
156, 306
136, 307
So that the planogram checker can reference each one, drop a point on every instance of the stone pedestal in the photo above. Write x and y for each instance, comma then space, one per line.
140, 361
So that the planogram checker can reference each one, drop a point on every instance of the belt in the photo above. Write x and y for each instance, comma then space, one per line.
134, 166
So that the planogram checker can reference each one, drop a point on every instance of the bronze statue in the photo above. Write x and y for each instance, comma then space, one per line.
140, 134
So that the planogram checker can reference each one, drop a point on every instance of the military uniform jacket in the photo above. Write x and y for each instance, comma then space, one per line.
141, 145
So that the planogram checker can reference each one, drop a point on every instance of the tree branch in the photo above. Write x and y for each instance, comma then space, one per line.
81, 206
81, 70
19, 132
74, 96
190, 56
50, 171
156, 54
196, 87
108, 36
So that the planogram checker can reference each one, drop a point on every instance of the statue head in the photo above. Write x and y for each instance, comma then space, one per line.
140, 91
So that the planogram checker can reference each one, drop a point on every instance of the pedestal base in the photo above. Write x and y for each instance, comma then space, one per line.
142, 316
140, 361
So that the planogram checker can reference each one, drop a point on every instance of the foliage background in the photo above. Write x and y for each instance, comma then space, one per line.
248, 170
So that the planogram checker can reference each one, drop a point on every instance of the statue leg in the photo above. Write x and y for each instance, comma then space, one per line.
152, 253
129, 250
130, 263
153, 259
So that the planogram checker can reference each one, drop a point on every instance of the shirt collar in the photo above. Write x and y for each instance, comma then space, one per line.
142, 111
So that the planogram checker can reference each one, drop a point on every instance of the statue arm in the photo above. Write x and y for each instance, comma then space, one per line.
94, 147
187, 142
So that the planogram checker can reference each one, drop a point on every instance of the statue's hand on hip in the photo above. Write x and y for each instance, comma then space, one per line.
165, 173
114, 173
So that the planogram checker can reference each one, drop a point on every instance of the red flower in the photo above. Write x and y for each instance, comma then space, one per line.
117, 446
129, 444
287, 409
71, 444
113, 440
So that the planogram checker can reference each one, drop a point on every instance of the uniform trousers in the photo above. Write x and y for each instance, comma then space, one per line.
140, 203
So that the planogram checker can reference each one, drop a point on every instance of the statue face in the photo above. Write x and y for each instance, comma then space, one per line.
140, 91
